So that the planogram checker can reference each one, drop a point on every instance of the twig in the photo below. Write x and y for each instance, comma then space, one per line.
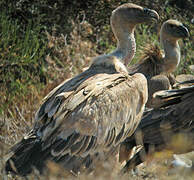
22, 117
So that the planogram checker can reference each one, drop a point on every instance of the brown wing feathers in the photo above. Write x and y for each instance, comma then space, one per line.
159, 126
78, 143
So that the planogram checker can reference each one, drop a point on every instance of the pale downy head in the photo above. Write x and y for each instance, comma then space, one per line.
123, 22
173, 30
128, 15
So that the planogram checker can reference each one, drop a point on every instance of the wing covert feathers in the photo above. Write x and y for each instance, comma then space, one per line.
87, 112
90, 113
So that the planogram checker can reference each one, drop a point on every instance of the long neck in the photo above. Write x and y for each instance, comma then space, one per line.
126, 46
172, 54
122, 55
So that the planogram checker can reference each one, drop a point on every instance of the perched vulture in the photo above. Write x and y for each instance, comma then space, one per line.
157, 66
168, 127
92, 112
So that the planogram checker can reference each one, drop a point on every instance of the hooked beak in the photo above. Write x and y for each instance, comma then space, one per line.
184, 31
151, 14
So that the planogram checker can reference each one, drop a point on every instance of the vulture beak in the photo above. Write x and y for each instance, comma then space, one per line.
184, 31
152, 15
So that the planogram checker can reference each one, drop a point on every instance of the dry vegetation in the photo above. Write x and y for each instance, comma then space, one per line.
45, 42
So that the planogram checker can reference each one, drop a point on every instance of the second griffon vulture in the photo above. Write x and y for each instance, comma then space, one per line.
92, 112
157, 66
169, 127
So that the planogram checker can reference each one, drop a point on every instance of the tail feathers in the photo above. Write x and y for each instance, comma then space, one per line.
26, 156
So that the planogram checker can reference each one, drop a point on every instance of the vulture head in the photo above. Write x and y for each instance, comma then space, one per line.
171, 31
123, 22
128, 15
174, 30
